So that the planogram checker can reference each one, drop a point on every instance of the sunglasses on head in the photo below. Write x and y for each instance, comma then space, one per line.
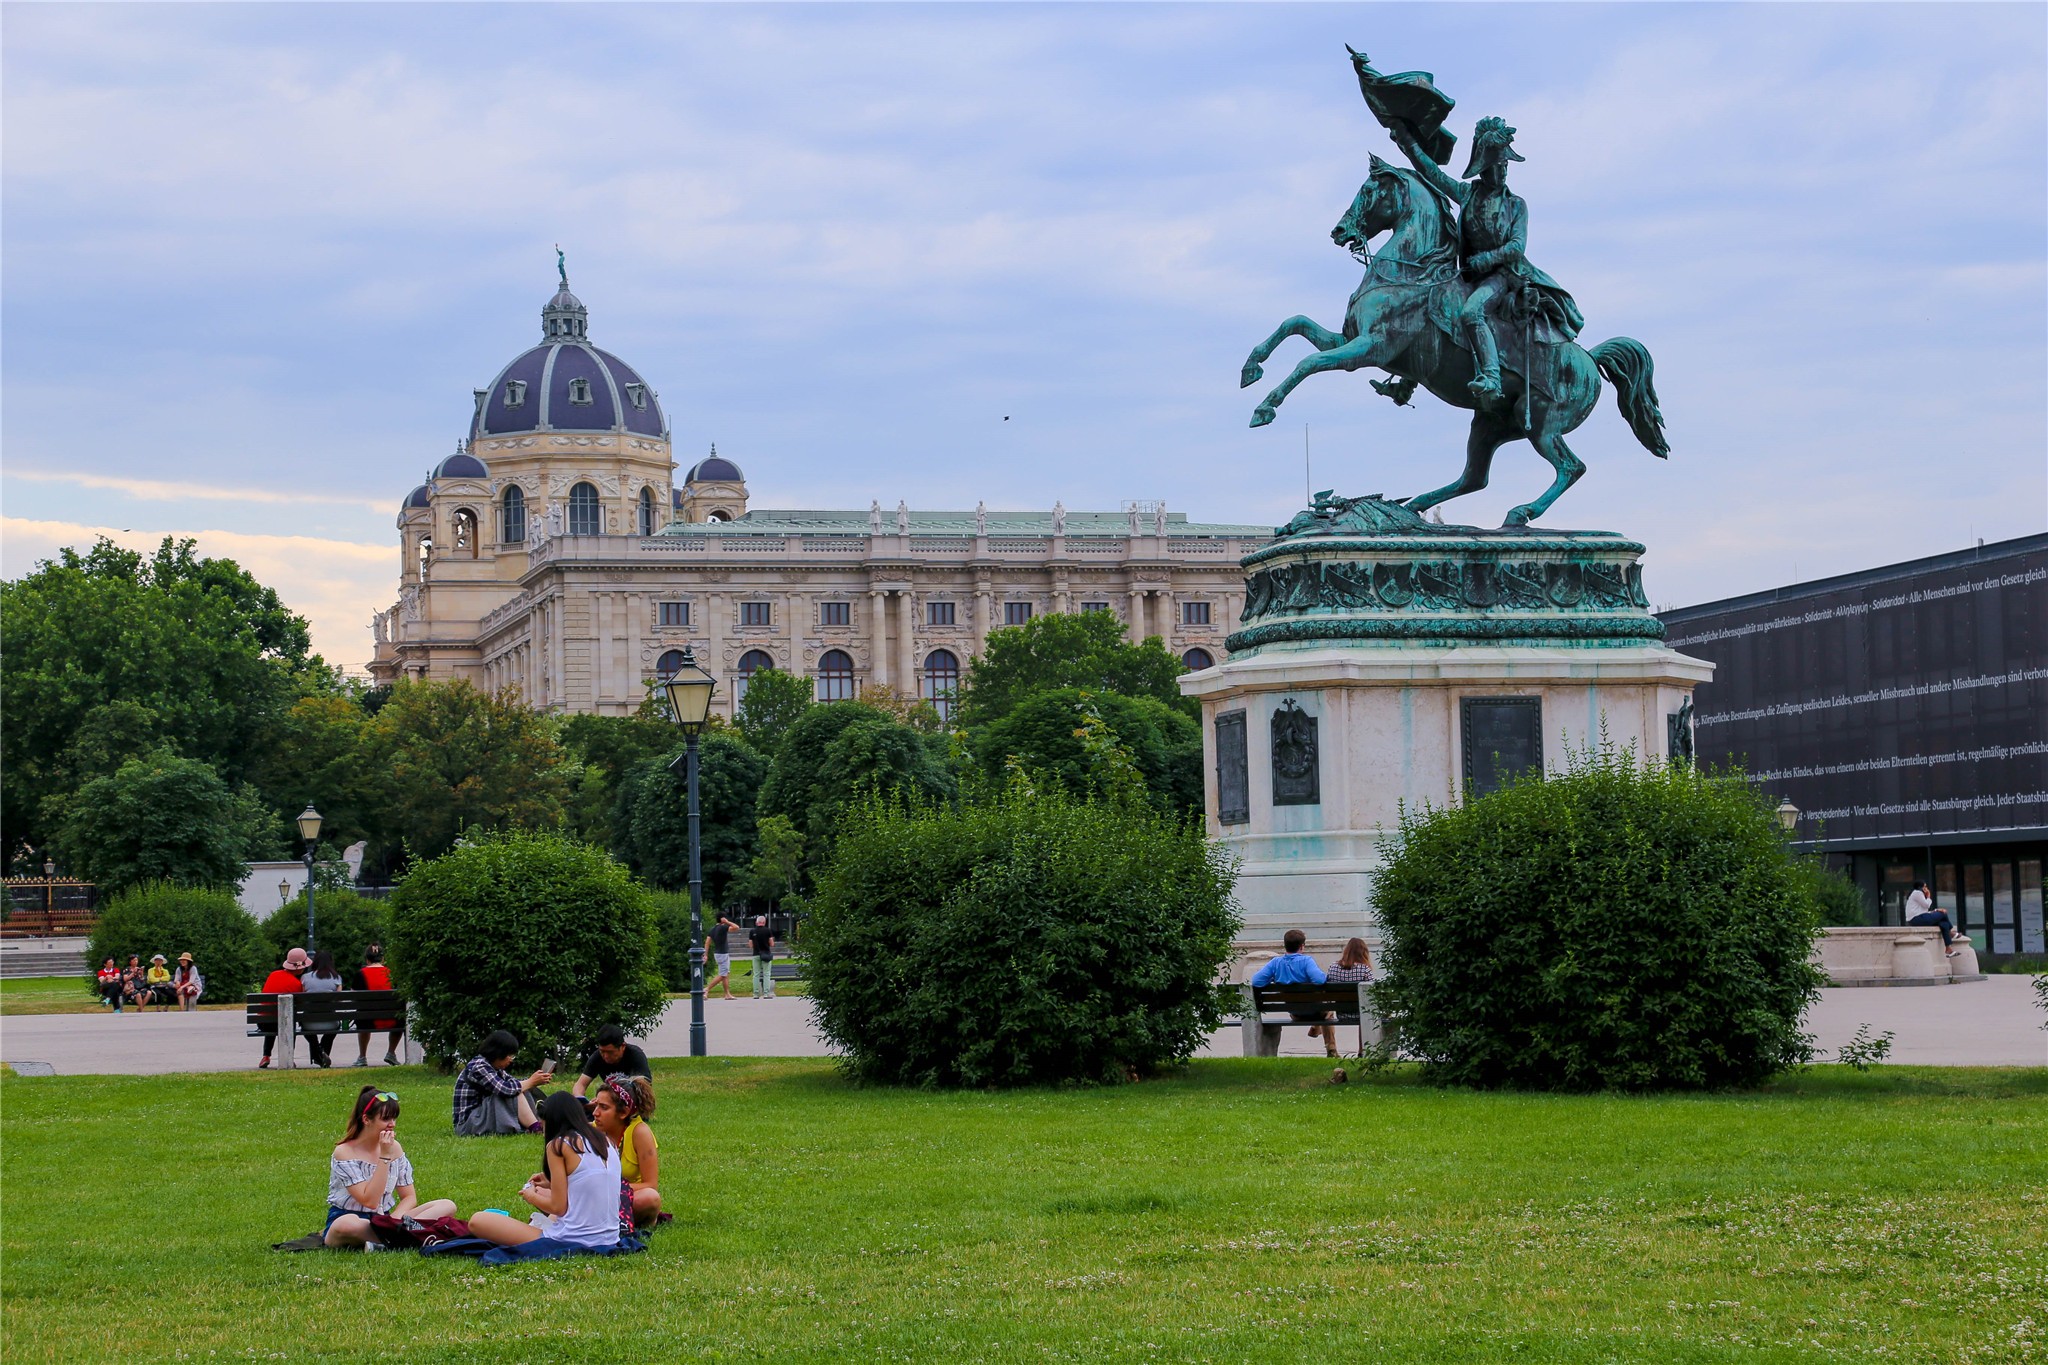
380, 1097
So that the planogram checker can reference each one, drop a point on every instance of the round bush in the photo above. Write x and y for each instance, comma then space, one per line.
525, 931
156, 917
1023, 940
343, 923
1615, 926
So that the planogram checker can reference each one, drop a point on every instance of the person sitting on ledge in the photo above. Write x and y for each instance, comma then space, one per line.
1296, 968
1921, 910
489, 1100
159, 981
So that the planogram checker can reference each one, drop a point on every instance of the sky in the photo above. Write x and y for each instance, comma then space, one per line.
254, 258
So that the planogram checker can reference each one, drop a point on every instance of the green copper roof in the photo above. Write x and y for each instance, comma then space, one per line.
778, 522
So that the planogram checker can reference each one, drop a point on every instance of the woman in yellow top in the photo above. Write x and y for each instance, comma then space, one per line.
620, 1108
157, 983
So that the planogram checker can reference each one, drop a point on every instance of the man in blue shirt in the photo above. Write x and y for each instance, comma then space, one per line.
1296, 968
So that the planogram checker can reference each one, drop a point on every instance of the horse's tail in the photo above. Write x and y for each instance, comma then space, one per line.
1626, 363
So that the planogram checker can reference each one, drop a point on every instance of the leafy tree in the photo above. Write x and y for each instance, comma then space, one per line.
1087, 741
1085, 649
778, 861
774, 701
525, 931
1028, 939
156, 917
1615, 926
838, 751
651, 823
321, 753
902, 707
159, 818
459, 760
343, 923
111, 654
1835, 899
602, 750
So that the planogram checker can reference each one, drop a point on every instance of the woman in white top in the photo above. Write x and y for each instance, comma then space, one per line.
578, 1192
370, 1174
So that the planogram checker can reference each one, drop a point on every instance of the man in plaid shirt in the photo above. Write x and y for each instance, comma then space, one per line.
489, 1100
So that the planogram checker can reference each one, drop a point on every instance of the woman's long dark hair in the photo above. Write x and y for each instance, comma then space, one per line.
323, 964
371, 1102
562, 1117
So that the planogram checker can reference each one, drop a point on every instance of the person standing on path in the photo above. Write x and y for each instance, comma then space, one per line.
762, 939
283, 981
377, 977
718, 953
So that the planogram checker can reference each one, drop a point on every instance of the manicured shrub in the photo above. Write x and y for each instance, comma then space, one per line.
1836, 899
529, 932
157, 917
1615, 926
1023, 939
343, 923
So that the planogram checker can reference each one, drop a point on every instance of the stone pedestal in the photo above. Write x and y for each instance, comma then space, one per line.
1415, 667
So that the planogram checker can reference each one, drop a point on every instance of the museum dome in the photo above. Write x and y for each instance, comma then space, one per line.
462, 465
567, 384
416, 498
714, 469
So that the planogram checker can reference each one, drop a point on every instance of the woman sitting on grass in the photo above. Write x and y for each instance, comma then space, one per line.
619, 1108
490, 1100
576, 1196
370, 1174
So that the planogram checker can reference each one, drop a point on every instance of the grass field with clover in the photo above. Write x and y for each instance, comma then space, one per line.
1241, 1211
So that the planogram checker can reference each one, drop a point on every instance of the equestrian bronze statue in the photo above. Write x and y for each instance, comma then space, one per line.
1451, 303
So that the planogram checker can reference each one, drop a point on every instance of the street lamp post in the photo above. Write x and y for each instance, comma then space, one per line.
49, 898
309, 830
1788, 816
284, 891
689, 699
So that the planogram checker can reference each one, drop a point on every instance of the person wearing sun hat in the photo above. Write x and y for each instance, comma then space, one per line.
284, 981
157, 982
187, 984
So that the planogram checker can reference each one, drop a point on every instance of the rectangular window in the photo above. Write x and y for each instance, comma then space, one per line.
1233, 771
757, 614
1016, 613
675, 613
1194, 613
515, 393
938, 613
636, 394
1503, 739
1095, 606
2031, 940
835, 614
1973, 896
2003, 939
579, 391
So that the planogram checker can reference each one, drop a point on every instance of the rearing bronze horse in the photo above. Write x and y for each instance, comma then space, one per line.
1402, 319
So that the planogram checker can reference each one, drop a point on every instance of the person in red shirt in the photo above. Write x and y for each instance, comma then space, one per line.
109, 977
377, 977
283, 981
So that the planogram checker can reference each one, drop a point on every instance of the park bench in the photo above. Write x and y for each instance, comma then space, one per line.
786, 971
292, 1016
1347, 1000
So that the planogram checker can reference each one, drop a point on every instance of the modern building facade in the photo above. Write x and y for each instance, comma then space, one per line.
1904, 712
556, 552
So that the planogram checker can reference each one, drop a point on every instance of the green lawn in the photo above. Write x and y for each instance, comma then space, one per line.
1246, 1211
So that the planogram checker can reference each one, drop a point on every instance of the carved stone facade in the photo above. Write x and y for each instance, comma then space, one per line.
574, 565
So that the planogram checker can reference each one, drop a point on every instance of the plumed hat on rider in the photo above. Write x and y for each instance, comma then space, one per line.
1491, 134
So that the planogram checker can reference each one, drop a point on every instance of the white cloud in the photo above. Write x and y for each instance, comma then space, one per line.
334, 584
159, 490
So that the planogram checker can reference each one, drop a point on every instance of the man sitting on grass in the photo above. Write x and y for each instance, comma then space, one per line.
613, 1056
1296, 968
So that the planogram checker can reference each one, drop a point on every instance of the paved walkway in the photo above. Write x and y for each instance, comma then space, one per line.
1986, 1023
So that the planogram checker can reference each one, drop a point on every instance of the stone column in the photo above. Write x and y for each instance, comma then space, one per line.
603, 617
907, 644
1137, 615
878, 636
982, 607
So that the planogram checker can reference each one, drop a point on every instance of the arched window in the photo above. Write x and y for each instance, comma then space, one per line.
1195, 660
668, 664
512, 516
751, 662
835, 676
647, 526
719, 514
586, 514
465, 532
941, 681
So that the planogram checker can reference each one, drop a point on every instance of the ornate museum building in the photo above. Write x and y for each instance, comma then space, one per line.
556, 552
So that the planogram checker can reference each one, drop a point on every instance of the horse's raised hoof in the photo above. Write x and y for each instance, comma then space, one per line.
1263, 414
1520, 516
1253, 373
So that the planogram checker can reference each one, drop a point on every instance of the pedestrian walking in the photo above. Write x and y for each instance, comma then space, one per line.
718, 954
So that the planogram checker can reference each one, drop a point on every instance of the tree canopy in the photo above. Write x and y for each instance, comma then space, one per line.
1086, 650
835, 752
459, 759
774, 701
1086, 741
160, 818
651, 822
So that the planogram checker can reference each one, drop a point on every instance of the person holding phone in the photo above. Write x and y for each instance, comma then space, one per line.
369, 1174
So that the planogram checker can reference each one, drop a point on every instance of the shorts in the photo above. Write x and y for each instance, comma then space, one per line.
724, 961
335, 1211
